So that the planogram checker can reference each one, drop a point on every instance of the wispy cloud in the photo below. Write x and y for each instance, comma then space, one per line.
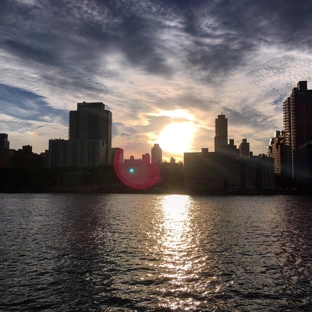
145, 57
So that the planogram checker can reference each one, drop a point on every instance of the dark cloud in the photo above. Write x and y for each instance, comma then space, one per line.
273, 22
270, 18
31, 52
250, 117
224, 33
28, 106
221, 33
70, 38
140, 48
120, 129
87, 49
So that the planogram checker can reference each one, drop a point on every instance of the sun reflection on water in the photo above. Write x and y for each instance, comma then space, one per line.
176, 225
184, 256
181, 260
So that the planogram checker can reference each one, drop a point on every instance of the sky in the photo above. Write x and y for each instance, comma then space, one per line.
172, 64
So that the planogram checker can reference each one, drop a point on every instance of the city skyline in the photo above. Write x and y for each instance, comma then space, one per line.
155, 65
221, 126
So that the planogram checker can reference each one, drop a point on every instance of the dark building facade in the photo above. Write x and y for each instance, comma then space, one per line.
90, 138
221, 134
277, 149
244, 148
117, 155
297, 113
91, 121
206, 172
303, 166
4, 145
227, 170
156, 154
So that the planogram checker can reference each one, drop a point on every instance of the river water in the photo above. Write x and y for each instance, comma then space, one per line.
94, 252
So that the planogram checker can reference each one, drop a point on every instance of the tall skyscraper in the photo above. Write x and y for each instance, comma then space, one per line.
221, 137
244, 148
276, 150
92, 121
90, 138
297, 111
232, 149
156, 154
4, 150
4, 145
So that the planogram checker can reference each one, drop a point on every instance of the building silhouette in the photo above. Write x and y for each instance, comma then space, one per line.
4, 150
277, 150
58, 155
91, 121
232, 149
297, 114
221, 133
25, 158
4, 145
224, 169
291, 148
156, 154
90, 138
146, 158
244, 150
117, 155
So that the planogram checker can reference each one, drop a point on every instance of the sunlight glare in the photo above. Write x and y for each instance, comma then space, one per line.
176, 222
177, 137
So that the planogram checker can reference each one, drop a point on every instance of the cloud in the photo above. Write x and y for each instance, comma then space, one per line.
31, 52
142, 58
28, 106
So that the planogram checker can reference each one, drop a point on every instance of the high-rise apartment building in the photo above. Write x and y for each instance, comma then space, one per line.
91, 121
4, 145
156, 154
244, 149
4, 150
277, 150
297, 111
90, 138
221, 135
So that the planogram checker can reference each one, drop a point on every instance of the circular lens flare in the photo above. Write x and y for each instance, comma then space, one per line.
140, 176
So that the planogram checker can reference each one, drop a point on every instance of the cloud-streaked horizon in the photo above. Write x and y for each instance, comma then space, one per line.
149, 61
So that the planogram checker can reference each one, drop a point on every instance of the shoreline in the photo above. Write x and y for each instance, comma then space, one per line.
155, 191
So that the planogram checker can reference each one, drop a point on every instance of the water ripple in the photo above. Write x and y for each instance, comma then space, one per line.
92, 252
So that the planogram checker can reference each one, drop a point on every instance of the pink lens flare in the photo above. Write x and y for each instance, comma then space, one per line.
138, 176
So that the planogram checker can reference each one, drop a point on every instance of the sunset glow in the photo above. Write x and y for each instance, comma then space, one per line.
187, 65
177, 137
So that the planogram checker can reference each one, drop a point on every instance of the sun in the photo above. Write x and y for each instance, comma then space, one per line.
177, 137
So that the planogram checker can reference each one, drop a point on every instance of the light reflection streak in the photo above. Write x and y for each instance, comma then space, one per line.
181, 259
185, 259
